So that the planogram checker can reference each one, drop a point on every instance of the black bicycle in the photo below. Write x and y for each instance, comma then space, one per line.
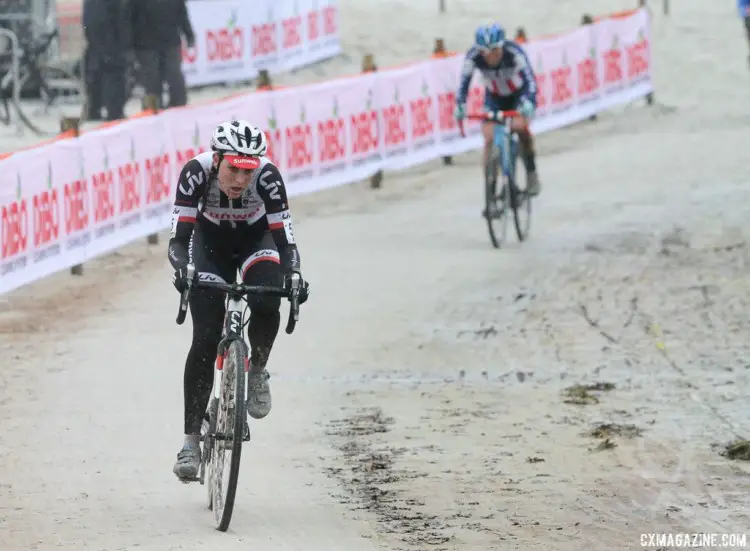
227, 416
57, 84
497, 202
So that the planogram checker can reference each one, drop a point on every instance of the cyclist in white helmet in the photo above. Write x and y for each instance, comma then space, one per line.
230, 213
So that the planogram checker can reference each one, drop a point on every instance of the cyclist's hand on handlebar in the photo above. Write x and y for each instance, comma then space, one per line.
180, 279
460, 113
303, 286
526, 108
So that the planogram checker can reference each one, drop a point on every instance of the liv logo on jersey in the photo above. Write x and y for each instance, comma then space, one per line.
192, 181
271, 187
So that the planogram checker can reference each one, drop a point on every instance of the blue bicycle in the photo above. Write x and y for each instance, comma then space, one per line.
505, 151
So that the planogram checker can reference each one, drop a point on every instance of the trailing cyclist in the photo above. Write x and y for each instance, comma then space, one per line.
510, 85
230, 213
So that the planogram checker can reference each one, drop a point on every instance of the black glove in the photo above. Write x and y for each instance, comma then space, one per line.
180, 279
304, 286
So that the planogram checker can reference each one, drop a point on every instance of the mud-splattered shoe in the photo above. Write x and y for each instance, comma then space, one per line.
188, 462
258, 394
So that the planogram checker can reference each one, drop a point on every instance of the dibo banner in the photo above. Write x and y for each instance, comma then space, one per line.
64, 203
234, 39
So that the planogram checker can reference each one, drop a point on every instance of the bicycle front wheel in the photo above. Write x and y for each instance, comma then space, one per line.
226, 450
494, 209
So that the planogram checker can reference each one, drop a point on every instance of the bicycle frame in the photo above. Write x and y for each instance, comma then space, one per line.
235, 306
505, 138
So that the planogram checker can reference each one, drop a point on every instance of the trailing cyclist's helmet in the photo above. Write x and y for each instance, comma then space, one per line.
240, 143
489, 37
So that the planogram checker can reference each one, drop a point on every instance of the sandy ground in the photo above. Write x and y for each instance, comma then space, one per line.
571, 392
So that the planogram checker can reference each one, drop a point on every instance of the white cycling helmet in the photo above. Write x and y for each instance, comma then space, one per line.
240, 143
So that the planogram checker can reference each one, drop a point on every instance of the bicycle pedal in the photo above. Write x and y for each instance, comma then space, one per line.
189, 480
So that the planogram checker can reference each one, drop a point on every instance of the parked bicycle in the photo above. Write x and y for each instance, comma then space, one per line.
227, 417
60, 89
504, 157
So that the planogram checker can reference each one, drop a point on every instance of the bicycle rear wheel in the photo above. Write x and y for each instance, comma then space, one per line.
226, 450
520, 201
494, 209
60, 95
6, 104
208, 448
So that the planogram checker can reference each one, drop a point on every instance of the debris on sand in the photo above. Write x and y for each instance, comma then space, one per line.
365, 423
580, 395
534, 459
482, 332
605, 444
738, 450
608, 430
370, 475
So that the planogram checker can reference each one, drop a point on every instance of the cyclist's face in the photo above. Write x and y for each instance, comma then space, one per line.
492, 57
232, 180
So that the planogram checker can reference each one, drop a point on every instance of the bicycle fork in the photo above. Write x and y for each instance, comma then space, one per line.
232, 331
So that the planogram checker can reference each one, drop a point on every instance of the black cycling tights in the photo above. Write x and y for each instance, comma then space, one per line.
207, 309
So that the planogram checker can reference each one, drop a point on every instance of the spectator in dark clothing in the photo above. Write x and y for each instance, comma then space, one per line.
105, 62
744, 8
156, 29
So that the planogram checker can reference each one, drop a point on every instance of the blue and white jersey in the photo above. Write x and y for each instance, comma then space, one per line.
513, 76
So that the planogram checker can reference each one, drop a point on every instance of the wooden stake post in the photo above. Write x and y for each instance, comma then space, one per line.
151, 103
68, 124
368, 66
264, 80
439, 52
